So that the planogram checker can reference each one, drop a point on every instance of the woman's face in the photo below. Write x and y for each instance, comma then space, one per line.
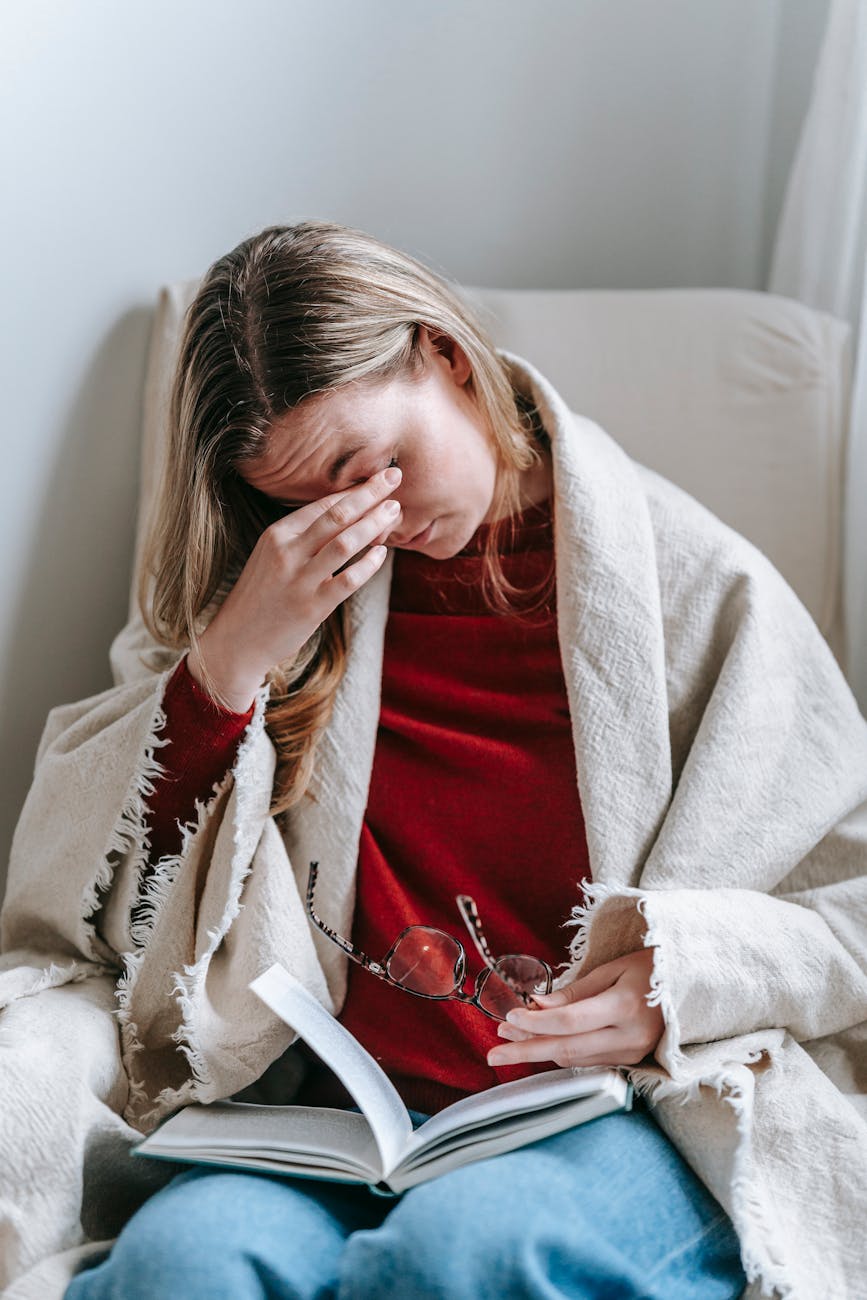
430, 426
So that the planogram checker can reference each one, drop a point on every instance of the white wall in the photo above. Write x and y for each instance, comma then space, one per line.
548, 143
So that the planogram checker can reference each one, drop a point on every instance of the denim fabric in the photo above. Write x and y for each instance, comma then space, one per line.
608, 1209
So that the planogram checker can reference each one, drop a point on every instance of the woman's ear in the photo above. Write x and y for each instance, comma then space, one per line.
442, 348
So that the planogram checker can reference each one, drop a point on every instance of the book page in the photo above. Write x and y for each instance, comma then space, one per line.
516, 1097
371, 1087
502, 1135
281, 1136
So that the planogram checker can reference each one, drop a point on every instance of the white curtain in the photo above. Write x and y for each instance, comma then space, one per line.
820, 257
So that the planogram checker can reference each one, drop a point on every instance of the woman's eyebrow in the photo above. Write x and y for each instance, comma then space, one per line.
334, 471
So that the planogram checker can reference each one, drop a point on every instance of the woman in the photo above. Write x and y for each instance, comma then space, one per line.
531, 615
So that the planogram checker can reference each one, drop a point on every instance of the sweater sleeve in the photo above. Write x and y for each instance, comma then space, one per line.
203, 741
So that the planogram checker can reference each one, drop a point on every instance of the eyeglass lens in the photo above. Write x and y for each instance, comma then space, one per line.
522, 975
428, 961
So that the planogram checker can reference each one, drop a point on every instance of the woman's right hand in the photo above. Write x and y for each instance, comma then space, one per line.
290, 584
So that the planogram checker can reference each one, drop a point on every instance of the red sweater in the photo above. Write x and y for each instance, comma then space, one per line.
474, 790
204, 739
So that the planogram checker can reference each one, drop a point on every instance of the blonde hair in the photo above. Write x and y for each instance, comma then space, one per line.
293, 311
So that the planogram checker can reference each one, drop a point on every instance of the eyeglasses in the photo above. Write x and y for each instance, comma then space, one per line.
432, 964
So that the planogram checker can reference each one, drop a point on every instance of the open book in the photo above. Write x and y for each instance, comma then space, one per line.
378, 1146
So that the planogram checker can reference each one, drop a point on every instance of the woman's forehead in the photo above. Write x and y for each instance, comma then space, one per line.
309, 446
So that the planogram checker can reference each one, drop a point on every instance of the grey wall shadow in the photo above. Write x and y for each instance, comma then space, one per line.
74, 579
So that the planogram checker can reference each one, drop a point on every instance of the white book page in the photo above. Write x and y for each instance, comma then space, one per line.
305, 1135
506, 1135
519, 1095
371, 1087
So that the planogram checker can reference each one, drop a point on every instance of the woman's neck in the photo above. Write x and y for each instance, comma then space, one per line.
537, 483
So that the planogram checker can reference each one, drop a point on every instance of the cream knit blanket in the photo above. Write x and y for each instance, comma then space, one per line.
722, 765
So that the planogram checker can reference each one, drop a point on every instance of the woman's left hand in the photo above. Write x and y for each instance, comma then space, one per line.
599, 1019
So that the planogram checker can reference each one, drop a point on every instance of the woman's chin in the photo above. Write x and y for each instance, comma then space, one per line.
448, 540
438, 541
448, 537
440, 551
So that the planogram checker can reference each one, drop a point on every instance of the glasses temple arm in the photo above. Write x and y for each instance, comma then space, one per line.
375, 967
470, 917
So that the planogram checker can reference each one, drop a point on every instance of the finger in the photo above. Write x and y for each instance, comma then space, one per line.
585, 986
352, 576
379, 540
576, 1018
348, 544
602, 1047
340, 510
299, 518
514, 1035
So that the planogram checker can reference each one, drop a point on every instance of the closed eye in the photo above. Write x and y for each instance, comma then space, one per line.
355, 482
296, 505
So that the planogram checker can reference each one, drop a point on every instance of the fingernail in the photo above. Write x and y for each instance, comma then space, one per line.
393, 475
495, 1057
391, 507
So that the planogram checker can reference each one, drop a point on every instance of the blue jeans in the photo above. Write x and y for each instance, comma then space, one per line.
605, 1210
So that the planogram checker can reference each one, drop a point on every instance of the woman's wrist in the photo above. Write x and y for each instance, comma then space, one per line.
234, 691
